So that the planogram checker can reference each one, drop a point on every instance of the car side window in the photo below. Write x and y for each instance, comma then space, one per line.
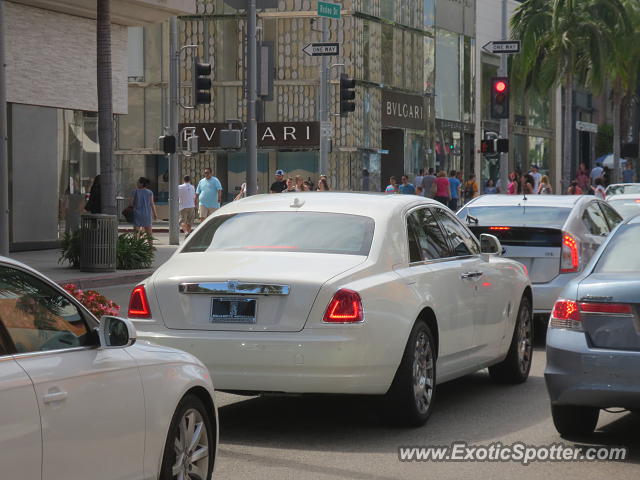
461, 240
413, 229
594, 220
612, 217
37, 317
431, 239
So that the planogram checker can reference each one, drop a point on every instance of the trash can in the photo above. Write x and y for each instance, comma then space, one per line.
98, 238
120, 204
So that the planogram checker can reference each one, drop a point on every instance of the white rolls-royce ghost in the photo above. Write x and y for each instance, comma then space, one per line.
341, 293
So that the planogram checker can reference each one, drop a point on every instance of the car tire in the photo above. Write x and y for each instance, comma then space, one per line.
572, 420
409, 400
517, 364
189, 450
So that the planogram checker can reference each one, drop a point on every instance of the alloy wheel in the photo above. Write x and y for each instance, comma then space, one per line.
525, 340
191, 448
423, 374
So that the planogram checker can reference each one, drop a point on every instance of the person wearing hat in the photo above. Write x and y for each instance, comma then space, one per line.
279, 185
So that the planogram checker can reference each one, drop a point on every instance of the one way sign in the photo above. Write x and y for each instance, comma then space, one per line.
502, 46
322, 49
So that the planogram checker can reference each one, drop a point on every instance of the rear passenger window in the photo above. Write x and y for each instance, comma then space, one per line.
594, 220
613, 218
429, 242
462, 240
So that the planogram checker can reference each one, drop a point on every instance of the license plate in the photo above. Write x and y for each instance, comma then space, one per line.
233, 310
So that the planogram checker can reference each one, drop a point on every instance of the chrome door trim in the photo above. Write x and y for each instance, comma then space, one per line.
233, 287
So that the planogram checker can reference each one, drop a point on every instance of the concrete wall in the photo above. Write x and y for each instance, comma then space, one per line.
51, 59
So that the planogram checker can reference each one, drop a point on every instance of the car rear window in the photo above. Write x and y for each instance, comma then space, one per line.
620, 189
516, 215
627, 208
313, 232
621, 254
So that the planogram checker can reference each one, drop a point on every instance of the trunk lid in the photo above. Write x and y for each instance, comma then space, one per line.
244, 291
537, 248
619, 331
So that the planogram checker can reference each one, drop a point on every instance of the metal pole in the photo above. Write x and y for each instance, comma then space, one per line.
4, 158
504, 122
174, 173
252, 125
323, 165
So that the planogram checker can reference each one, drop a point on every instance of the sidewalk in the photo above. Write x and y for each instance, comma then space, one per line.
46, 262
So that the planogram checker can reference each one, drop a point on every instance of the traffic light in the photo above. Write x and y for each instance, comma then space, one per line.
488, 146
200, 83
167, 144
347, 95
500, 97
502, 145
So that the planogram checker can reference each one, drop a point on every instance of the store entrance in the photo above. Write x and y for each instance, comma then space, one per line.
392, 162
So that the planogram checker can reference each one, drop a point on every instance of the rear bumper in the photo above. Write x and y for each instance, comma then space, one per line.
335, 360
546, 294
579, 375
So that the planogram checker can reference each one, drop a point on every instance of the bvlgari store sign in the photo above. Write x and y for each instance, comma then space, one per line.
402, 110
270, 134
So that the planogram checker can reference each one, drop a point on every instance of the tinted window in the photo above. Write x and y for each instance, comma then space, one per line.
517, 215
594, 220
413, 231
430, 242
622, 253
461, 240
619, 189
37, 317
613, 218
296, 231
628, 208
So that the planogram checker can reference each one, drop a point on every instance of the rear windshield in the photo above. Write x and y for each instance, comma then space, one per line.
621, 254
626, 208
620, 189
516, 216
315, 232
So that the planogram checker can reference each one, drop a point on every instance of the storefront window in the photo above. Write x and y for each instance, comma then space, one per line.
520, 147
370, 179
539, 111
447, 76
414, 152
468, 75
540, 153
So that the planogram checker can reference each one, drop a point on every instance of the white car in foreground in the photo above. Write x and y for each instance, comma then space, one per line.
83, 400
341, 293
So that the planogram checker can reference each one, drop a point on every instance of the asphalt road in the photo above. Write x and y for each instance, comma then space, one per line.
333, 437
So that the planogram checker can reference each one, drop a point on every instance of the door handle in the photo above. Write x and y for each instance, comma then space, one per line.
471, 275
56, 396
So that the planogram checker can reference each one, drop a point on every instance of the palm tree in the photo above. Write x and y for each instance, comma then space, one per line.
564, 42
105, 107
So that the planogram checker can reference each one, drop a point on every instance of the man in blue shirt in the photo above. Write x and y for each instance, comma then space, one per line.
628, 174
406, 187
454, 184
208, 194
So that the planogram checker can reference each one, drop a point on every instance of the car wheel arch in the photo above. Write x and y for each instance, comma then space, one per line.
428, 316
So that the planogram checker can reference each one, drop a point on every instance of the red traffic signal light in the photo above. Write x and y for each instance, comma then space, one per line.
500, 97
500, 86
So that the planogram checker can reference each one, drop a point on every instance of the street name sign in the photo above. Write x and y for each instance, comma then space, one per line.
587, 127
322, 49
502, 46
329, 10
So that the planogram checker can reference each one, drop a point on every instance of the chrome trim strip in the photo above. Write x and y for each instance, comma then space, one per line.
234, 288
18, 356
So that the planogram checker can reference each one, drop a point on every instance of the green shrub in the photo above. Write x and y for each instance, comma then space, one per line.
134, 251
70, 249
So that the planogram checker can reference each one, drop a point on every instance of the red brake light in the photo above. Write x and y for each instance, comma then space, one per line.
344, 307
138, 304
499, 228
570, 259
615, 308
566, 310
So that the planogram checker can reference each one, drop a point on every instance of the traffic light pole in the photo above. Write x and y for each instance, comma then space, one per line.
324, 103
504, 122
174, 170
252, 125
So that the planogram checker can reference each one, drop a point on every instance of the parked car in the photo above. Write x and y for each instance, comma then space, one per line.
341, 293
83, 399
621, 189
627, 205
593, 340
554, 236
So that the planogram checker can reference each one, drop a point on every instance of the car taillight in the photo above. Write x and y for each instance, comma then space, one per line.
344, 307
566, 314
570, 256
607, 308
500, 228
138, 304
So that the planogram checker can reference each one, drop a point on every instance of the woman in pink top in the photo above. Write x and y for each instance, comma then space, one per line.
512, 188
443, 191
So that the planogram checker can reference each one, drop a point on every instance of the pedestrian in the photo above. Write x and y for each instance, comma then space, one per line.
187, 205
291, 186
94, 204
527, 184
208, 194
596, 173
405, 187
574, 189
545, 186
280, 185
427, 184
471, 188
443, 190
489, 188
536, 176
454, 186
628, 174
417, 182
144, 208
393, 185
365, 180
599, 190
606, 176
300, 186
323, 186
512, 187
582, 178
419, 190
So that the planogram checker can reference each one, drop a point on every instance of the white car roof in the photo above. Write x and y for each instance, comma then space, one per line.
374, 205
568, 201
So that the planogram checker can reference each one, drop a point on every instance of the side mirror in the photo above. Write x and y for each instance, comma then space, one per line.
115, 332
490, 244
